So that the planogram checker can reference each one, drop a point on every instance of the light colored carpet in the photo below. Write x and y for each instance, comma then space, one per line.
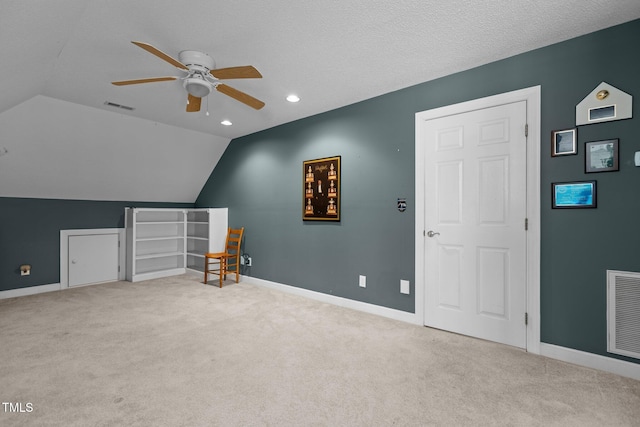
175, 352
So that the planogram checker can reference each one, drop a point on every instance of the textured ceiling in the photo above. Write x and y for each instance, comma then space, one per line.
331, 53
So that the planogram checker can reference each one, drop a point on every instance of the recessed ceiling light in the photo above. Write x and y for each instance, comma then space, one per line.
293, 98
226, 123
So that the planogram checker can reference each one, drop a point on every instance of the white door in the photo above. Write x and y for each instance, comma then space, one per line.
475, 209
93, 258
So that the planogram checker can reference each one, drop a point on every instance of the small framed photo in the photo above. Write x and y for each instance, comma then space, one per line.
564, 142
601, 156
571, 195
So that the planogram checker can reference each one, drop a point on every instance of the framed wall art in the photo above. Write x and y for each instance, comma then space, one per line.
601, 156
564, 142
571, 195
321, 189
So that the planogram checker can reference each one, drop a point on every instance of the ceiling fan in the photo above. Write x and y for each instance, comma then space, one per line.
201, 77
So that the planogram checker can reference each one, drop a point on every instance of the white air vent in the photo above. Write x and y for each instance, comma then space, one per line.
113, 104
623, 313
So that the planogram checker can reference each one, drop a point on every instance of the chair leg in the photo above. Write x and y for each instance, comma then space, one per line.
206, 268
222, 270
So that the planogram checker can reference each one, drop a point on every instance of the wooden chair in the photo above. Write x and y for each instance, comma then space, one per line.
227, 262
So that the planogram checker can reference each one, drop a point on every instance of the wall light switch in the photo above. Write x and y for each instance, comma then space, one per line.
404, 287
637, 158
363, 281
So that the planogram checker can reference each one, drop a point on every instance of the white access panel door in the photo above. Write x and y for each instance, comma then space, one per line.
93, 258
475, 210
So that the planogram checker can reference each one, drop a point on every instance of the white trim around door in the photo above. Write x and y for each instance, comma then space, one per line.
532, 97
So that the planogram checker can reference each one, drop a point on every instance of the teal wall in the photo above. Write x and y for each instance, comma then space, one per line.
259, 179
30, 233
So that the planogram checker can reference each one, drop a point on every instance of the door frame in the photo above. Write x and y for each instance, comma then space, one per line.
64, 250
532, 96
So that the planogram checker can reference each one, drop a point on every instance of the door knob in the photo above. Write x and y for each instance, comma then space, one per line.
73, 261
431, 233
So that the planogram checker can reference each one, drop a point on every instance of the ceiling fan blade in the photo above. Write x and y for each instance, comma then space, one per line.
137, 81
240, 96
244, 72
193, 104
160, 54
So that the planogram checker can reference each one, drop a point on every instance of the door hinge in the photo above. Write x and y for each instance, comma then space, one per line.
526, 318
526, 129
118, 269
424, 233
526, 224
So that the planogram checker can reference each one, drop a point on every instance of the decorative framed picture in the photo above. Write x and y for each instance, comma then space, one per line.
601, 156
571, 195
564, 142
321, 189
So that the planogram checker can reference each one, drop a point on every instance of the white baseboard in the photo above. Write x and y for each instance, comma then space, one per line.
31, 290
339, 301
590, 360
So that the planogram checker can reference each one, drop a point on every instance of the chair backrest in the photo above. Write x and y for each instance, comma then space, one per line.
234, 240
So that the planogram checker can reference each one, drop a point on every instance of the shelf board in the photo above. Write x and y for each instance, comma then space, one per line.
197, 238
159, 255
154, 273
151, 239
198, 222
158, 222
199, 255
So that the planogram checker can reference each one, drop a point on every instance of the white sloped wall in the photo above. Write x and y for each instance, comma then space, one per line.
55, 149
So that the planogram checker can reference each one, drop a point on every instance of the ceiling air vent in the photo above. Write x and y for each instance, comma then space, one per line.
113, 104
623, 313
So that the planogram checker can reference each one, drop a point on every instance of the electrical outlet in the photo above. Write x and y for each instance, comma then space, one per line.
248, 263
363, 281
25, 269
404, 287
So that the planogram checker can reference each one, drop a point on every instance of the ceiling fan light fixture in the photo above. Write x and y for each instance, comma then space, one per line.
202, 77
197, 86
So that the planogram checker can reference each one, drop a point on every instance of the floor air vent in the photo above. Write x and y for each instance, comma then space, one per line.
623, 313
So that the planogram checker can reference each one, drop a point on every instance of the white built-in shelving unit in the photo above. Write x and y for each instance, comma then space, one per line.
206, 232
168, 242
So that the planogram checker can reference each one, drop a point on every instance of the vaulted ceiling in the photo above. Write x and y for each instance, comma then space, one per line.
59, 57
